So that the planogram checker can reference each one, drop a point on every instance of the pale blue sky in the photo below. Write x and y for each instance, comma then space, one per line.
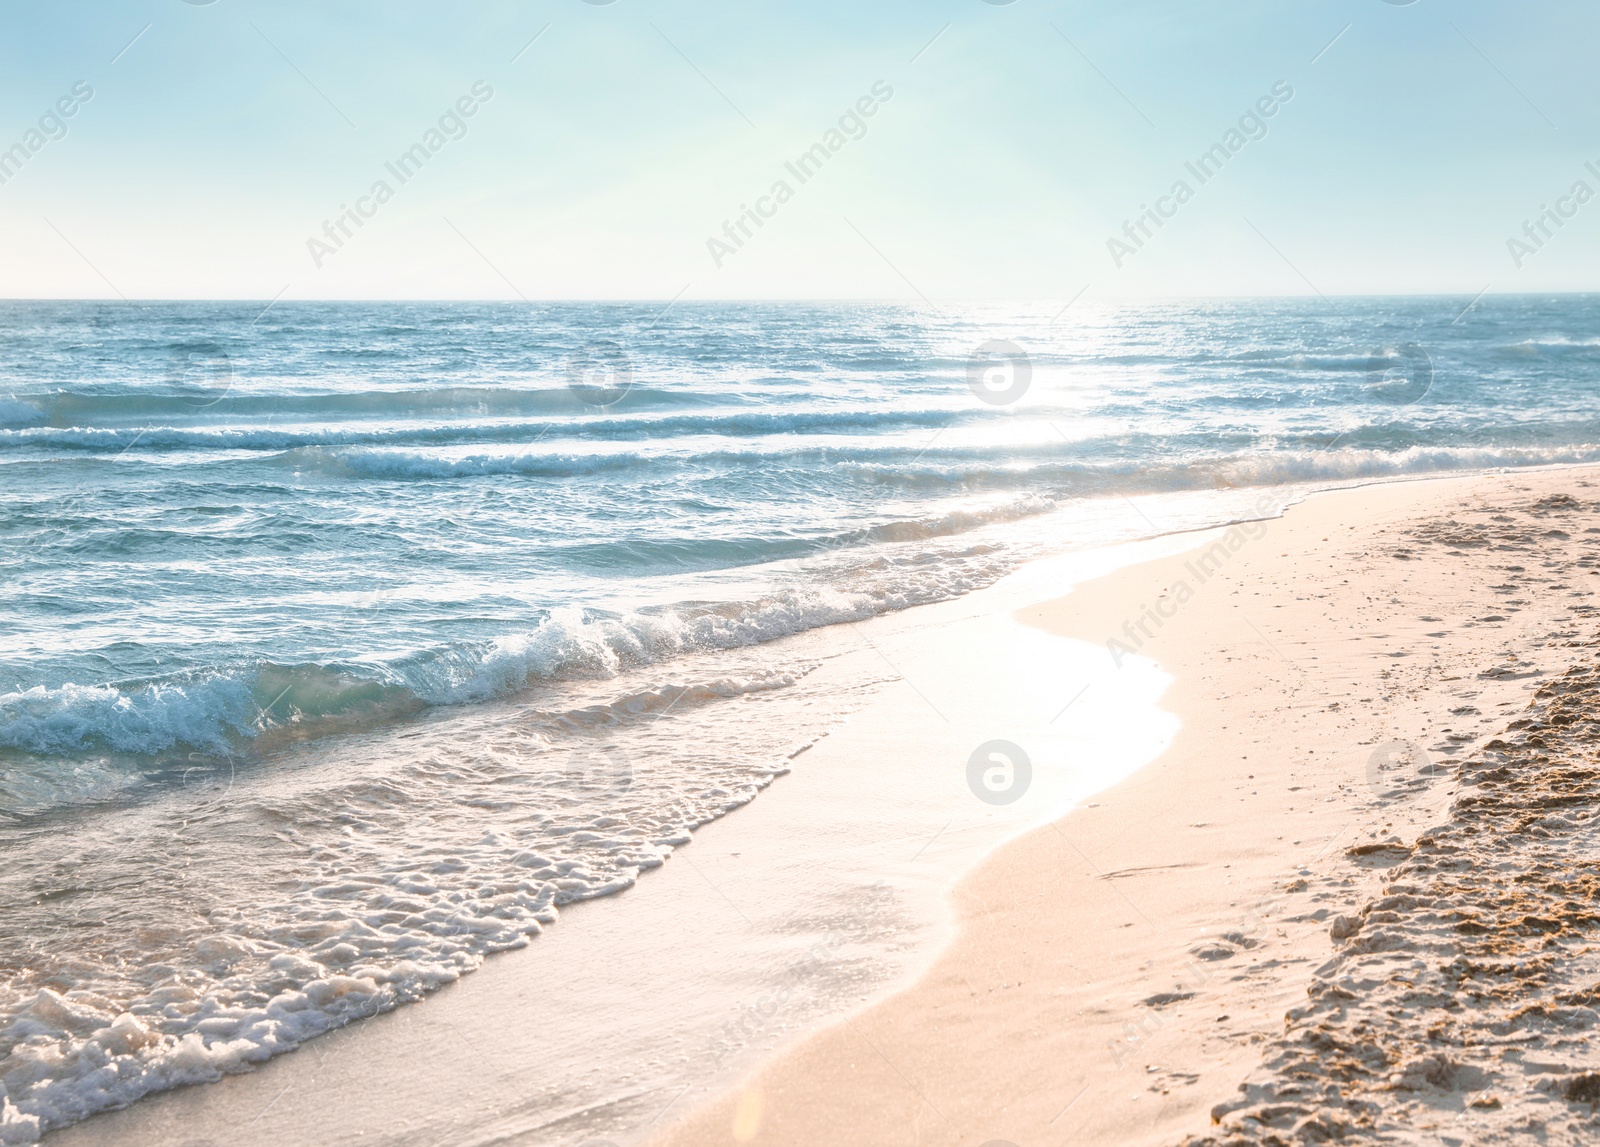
1014, 146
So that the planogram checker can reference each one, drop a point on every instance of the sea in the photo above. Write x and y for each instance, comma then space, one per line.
345, 644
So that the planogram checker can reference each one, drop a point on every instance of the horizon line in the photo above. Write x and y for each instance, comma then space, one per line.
899, 299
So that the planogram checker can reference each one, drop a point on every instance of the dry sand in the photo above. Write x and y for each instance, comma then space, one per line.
1349, 898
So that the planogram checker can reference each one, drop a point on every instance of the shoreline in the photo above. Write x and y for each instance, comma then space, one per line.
1119, 973
764, 926
702, 930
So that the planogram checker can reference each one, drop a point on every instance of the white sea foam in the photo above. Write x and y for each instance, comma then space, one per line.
1556, 345
216, 711
1283, 467
408, 861
1342, 464
145, 719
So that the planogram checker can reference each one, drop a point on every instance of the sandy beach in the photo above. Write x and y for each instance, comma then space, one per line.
1314, 915
809, 575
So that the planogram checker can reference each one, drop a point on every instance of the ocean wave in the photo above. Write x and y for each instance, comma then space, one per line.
1084, 477
957, 521
15, 414
611, 427
211, 711
1353, 363
1349, 462
152, 718
1560, 345
221, 710
575, 643
90, 409
401, 465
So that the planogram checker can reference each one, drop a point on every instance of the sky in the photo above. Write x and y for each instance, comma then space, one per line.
1018, 148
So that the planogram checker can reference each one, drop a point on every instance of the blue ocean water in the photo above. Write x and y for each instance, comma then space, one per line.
215, 516
375, 575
